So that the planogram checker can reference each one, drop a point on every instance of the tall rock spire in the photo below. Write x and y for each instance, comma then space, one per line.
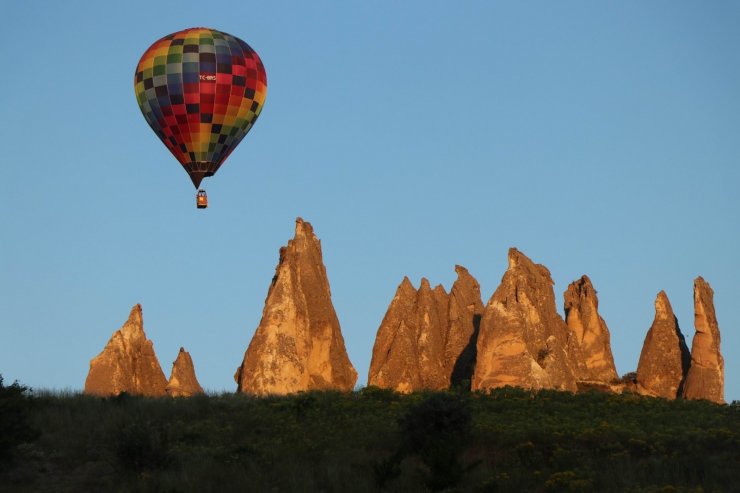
706, 376
523, 341
590, 331
298, 344
464, 316
127, 363
664, 359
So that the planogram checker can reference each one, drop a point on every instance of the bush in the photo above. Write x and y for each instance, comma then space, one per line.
15, 407
437, 430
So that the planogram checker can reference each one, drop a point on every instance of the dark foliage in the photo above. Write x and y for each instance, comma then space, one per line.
15, 407
437, 429
510, 440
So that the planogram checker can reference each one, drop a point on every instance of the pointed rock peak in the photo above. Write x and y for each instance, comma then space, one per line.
127, 363
518, 262
298, 345
303, 228
440, 290
664, 360
523, 340
135, 316
579, 290
183, 382
461, 271
134, 326
663, 309
706, 375
406, 286
590, 331
516, 258
425, 286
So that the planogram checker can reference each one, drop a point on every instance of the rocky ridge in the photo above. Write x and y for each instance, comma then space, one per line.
426, 340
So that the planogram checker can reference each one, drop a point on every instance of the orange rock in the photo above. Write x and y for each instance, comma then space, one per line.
127, 363
298, 344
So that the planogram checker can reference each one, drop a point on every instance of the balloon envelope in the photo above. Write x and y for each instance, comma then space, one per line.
200, 90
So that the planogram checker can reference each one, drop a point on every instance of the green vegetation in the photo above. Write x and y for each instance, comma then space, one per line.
371, 440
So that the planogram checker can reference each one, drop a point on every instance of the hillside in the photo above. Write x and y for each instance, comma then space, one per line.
373, 440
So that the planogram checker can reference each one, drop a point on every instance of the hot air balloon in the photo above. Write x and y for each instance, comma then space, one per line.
200, 90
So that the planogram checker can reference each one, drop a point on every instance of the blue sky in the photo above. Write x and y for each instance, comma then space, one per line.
596, 137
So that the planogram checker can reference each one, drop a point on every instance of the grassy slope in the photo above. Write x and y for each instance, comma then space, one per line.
513, 441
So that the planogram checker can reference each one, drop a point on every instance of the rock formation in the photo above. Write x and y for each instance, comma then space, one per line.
127, 364
427, 337
523, 341
408, 354
591, 332
298, 344
183, 382
665, 358
706, 375
464, 316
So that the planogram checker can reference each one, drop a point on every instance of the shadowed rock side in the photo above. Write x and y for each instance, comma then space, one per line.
427, 337
465, 313
664, 359
590, 331
706, 376
523, 341
183, 382
298, 344
127, 363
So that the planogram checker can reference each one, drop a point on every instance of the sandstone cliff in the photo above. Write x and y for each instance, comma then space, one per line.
523, 341
127, 363
183, 382
591, 333
427, 337
706, 375
664, 359
298, 344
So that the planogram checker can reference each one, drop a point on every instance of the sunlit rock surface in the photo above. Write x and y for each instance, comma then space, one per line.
183, 382
298, 344
591, 333
706, 376
127, 363
523, 342
426, 340
664, 359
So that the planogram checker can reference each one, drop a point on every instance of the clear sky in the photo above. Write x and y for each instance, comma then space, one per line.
597, 137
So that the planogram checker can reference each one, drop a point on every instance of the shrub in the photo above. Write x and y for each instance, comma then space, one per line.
15, 406
437, 430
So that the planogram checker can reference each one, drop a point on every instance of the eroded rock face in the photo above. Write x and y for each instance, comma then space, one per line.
464, 317
427, 337
183, 382
127, 363
664, 359
408, 353
590, 331
706, 375
298, 345
523, 342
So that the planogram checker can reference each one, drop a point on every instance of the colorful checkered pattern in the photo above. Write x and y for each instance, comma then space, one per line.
200, 90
